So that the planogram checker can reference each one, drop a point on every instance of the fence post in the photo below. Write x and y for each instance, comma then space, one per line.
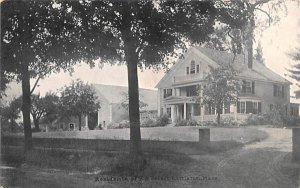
204, 136
296, 144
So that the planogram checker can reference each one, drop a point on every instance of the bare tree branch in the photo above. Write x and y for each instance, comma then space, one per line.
266, 13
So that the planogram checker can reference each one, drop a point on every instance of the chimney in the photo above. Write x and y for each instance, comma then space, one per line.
247, 58
250, 59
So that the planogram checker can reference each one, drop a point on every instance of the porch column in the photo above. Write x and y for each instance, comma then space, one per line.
178, 113
184, 110
192, 110
234, 110
173, 113
202, 110
86, 120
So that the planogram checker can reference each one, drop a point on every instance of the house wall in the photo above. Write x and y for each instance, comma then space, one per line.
265, 91
104, 113
119, 113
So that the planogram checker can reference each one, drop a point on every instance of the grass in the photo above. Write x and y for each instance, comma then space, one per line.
243, 134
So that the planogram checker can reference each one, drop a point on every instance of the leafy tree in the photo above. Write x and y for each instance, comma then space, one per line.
125, 103
78, 99
142, 34
11, 113
221, 88
242, 15
44, 107
37, 38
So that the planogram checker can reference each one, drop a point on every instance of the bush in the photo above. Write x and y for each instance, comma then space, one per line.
277, 117
148, 123
162, 121
228, 122
186, 123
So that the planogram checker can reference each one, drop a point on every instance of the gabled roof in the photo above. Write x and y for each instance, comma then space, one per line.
258, 72
116, 94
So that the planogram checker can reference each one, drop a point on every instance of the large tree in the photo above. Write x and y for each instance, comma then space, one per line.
142, 34
37, 38
241, 18
78, 99
221, 89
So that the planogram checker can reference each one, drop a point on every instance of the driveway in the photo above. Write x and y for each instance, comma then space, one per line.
262, 164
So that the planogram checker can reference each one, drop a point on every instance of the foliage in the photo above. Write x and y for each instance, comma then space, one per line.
78, 99
44, 107
185, 122
162, 120
37, 38
10, 114
125, 103
140, 34
277, 117
221, 88
240, 20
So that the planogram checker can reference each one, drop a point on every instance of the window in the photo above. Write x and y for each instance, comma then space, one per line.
191, 91
248, 87
187, 70
278, 91
246, 107
198, 68
243, 107
167, 93
192, 67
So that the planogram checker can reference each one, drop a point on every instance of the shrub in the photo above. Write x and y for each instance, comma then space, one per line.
163, 120
149, 123
228, 122
186, 123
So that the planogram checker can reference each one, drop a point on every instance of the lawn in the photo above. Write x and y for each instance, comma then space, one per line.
242, 135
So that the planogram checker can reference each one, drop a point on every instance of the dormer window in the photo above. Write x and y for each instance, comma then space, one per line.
193, 67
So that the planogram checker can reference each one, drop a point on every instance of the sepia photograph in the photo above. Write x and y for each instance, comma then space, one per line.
150, 93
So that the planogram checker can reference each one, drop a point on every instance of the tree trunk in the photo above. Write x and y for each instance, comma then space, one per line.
134, 113
79, 126
26, 106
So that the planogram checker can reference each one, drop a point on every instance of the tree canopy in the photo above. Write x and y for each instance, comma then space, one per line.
221, 88
78, 99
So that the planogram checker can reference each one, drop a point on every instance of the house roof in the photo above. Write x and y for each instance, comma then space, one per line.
117, 94
258, 72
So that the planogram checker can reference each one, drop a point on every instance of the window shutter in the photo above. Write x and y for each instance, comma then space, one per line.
274, 90
253, 87
238, 107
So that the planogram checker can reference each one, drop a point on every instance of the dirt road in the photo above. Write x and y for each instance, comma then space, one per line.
262, 164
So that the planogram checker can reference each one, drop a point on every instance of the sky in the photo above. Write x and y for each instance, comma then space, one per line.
277, 41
